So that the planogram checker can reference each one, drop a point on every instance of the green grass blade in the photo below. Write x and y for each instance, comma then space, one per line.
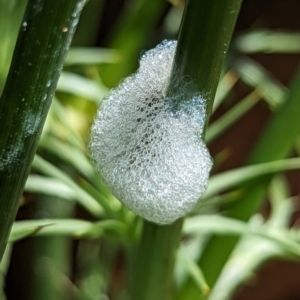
50, 187
215, 201
91, 56
282, 206
224, 226
224, 87
235, 177
42, 45
269, 41
194, 271
68, 154
82, 197
59, 113
82, 87
219, 126
214, 224
64, 227
58, 227
111, 204
4, 265
259, 78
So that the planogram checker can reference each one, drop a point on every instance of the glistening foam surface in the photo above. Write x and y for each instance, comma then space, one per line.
151, 155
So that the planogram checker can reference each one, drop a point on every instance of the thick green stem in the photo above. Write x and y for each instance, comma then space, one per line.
43, 42
203, 42
154, 264
204, 36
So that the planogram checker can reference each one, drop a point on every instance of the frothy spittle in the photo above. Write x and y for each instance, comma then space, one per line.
151, 156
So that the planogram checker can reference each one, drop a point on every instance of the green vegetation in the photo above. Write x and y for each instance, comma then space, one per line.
208, 254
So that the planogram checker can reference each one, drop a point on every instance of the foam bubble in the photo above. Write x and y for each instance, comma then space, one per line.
151, 156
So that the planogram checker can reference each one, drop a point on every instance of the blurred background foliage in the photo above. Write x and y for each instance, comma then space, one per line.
74, 240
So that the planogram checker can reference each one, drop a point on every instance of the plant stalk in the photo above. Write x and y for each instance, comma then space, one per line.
199, 57
155, 260
44, 39
203, 41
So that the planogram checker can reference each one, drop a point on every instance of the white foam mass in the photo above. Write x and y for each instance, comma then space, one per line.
151, 156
